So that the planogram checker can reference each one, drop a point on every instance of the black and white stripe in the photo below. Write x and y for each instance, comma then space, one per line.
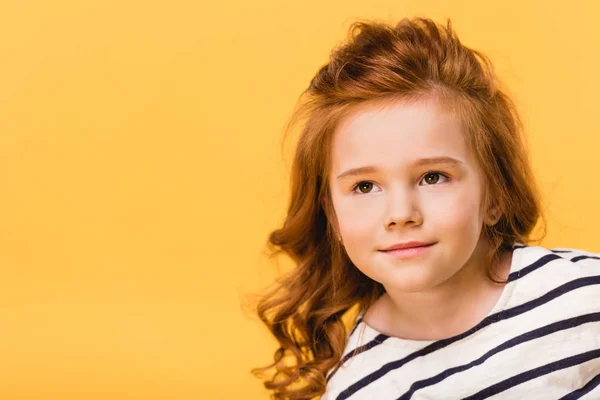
554, 296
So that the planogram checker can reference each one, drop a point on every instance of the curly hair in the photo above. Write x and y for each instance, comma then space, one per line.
306, 309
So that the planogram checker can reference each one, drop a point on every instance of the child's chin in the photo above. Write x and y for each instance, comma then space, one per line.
410, 283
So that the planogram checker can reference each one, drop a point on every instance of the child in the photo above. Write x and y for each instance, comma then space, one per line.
411, 212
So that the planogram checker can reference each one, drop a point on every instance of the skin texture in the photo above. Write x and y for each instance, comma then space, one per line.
444, 290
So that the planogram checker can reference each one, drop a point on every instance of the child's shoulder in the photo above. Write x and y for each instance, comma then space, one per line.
530, 258
538, 271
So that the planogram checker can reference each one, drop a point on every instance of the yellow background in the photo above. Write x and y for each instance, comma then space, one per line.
140, 173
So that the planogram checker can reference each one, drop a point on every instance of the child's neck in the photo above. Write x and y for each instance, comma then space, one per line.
447, 310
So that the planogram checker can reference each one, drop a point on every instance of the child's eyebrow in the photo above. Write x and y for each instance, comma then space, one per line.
417, 163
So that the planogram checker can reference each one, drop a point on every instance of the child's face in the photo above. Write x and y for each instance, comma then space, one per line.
400, 200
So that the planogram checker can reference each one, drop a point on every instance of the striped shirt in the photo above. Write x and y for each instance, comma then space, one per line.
540, 341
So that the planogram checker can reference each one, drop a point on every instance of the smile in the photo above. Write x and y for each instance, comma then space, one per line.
408, 252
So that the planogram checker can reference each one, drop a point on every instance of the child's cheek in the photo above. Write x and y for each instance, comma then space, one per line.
457, 211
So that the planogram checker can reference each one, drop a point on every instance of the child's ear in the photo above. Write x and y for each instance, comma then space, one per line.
493, 215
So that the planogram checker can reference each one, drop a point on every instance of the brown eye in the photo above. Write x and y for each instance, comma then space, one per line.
433, 177
364, 187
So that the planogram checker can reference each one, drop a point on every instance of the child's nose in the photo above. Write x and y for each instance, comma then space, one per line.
402, 208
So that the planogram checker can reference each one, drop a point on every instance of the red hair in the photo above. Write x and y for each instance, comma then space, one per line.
306, 309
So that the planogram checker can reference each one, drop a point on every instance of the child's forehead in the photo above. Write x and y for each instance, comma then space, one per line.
399, 131
421, 114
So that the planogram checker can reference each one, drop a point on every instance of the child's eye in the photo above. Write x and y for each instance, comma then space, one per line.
433, 177
363, 186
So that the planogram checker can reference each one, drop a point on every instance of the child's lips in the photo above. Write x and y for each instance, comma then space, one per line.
407, 245
408, 251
